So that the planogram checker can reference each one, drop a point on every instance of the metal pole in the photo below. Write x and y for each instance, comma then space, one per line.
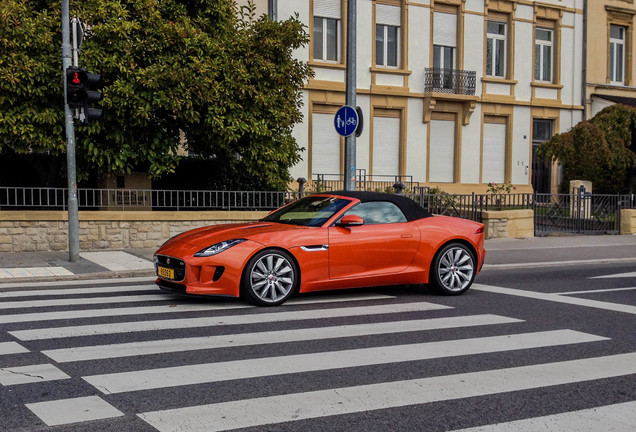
350, 141
73, 219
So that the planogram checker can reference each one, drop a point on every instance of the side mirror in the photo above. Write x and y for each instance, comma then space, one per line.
351, 220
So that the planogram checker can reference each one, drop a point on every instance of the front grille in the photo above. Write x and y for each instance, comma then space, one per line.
171, 287
175, 264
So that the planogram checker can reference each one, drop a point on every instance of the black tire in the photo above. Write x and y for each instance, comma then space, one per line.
453, 269
270, 277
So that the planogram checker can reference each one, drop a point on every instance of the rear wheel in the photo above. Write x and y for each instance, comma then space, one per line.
270, 277
453, 269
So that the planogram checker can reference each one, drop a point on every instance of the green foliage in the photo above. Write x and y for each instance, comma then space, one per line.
601, 150
499, 188
222, 79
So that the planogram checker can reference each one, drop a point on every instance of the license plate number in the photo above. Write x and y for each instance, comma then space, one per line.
165, 272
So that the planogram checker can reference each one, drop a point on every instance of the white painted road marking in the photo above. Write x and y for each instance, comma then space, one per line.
77, 291
618, 418
67, 411
616, 307
19, 304
12, 348
203, 306
270, 366
65, 355
283, 315
301, 406
618, 275
30, 374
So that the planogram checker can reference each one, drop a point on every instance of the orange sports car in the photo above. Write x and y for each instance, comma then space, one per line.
325, 241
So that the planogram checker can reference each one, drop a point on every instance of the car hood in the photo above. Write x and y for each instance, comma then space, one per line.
207, 236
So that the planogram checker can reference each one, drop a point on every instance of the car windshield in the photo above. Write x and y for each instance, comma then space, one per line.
311, 211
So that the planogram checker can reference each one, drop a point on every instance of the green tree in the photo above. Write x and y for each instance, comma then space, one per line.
601, 150
202, 70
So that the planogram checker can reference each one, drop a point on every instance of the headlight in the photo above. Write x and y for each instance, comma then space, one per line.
218, 248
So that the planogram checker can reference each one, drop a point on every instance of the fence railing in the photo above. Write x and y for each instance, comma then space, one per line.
471, 206
142, 199
468, 206
364, 182
453, 81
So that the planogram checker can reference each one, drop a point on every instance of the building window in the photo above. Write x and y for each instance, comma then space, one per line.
543, 55
387, 35
617, 54
444, 48
327, 24
496, 49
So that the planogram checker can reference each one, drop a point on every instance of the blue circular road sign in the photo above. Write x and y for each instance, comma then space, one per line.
346, 120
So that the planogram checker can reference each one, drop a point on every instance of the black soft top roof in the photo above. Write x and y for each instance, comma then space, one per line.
412, 211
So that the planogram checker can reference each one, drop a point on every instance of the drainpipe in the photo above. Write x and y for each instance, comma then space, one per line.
584, 94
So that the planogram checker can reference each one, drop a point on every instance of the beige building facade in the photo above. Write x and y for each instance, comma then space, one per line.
610, 55
455, 94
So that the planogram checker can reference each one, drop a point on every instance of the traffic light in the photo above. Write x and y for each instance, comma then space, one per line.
75, 93
93, 83
82, 91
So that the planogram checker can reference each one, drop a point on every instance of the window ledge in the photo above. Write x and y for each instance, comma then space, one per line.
375, 69
495, 80
546, 85
327, 65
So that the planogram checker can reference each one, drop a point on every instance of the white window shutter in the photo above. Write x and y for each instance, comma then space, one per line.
325, 145
442, 151
445, 29
327, 8
494, 157
388, 15
386, 146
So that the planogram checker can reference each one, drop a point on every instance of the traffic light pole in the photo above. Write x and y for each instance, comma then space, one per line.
73, 218
350, 141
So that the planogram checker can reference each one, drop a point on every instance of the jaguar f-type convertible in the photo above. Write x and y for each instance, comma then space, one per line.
325, 241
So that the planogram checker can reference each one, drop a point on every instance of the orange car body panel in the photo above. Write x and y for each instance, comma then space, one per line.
328, 257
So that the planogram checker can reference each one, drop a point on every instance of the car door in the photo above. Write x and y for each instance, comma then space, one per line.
385, 243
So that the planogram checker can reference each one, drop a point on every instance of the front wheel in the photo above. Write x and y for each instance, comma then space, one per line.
453, 269
270, 278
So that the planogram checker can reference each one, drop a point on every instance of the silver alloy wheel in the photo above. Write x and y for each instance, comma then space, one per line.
271, 277
456, 269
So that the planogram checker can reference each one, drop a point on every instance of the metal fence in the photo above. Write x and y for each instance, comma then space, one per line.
470, 206
142, 199
580, 213
571, 213
364, 182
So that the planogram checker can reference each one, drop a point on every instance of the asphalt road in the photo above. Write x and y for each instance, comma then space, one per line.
542, 345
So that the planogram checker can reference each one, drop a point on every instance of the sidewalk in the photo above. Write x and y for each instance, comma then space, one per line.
17, 267
501, 254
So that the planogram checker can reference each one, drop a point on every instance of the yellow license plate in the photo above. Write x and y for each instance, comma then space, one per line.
165, 272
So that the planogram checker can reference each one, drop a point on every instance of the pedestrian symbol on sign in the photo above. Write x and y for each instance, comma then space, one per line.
346, 120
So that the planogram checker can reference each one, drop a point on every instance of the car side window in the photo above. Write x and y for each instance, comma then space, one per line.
378, 212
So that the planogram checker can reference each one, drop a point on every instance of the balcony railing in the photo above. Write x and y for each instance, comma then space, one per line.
452, 81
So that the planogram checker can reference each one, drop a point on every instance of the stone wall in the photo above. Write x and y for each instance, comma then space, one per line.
35, 231
508, 223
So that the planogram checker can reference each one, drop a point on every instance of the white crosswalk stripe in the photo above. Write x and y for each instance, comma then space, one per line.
241, 369
30, 374
618, 417
134, 349
214, 335
11, 348
294, 407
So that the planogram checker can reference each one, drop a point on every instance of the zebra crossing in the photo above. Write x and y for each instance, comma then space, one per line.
78, 358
